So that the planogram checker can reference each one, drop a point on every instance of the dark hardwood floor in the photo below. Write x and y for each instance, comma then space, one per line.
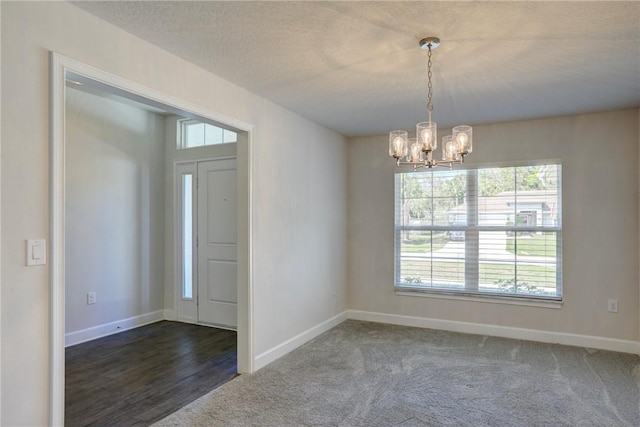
137, 377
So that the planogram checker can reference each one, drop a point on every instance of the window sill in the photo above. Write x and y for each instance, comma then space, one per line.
493, 299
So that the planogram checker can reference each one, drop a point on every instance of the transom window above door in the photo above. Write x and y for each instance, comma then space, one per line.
193, 133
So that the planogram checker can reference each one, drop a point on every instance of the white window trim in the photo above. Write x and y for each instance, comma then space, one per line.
481, 297
181, 134
470, 293
183, 170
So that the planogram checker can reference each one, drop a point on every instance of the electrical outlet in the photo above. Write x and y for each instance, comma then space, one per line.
91, 298
613, 306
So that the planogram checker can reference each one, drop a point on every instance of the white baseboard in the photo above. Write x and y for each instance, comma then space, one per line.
169, 314
84, 335
263, 359
588, 341
185, 319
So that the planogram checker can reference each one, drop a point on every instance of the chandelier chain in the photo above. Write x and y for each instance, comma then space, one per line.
429, 85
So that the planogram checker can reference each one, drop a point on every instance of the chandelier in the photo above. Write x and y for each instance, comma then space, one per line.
418, 151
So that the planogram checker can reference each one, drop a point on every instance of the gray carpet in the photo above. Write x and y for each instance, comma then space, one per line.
369, 374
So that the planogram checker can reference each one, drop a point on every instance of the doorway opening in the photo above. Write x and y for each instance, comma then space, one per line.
207, 242
66, 70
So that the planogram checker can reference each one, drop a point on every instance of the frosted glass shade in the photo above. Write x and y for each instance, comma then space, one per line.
450, 150
398, 144
427, 134
463, 136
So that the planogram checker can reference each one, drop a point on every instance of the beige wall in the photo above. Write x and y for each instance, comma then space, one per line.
299, 223
600, 235
114, 181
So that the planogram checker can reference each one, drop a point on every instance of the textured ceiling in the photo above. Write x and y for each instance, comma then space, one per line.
356, 67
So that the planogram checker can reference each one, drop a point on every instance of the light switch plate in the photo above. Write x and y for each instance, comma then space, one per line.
91, 298
36, 252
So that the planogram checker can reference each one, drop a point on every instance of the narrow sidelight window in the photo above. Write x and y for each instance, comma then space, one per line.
187, 236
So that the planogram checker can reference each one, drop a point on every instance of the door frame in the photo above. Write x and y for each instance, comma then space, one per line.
177, 236
60, 65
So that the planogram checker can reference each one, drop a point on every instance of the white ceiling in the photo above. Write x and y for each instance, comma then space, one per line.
356, 68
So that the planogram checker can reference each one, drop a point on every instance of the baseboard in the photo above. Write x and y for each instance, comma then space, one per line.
263, 359
588, 341
185, 319
169, 314
95, 332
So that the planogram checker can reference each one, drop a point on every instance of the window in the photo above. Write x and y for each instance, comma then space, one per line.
187, 236
198, 134
487, 231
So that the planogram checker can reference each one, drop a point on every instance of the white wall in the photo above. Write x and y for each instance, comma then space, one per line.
600, 234
299, 226
114, 180
299, 209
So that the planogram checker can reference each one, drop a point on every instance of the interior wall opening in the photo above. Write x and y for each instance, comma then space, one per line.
114, 217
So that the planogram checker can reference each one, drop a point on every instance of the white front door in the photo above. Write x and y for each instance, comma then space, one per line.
217, 242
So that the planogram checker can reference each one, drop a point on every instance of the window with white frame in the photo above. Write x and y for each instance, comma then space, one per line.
186, 233
193, 133
488, 231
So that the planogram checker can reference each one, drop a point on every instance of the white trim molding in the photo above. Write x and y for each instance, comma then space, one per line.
492, 299
57, 111
60, 66
600, 343
192, 320
0, 241
264, 358
106, 329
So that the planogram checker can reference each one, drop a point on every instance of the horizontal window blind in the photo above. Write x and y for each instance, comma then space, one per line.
489, 230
